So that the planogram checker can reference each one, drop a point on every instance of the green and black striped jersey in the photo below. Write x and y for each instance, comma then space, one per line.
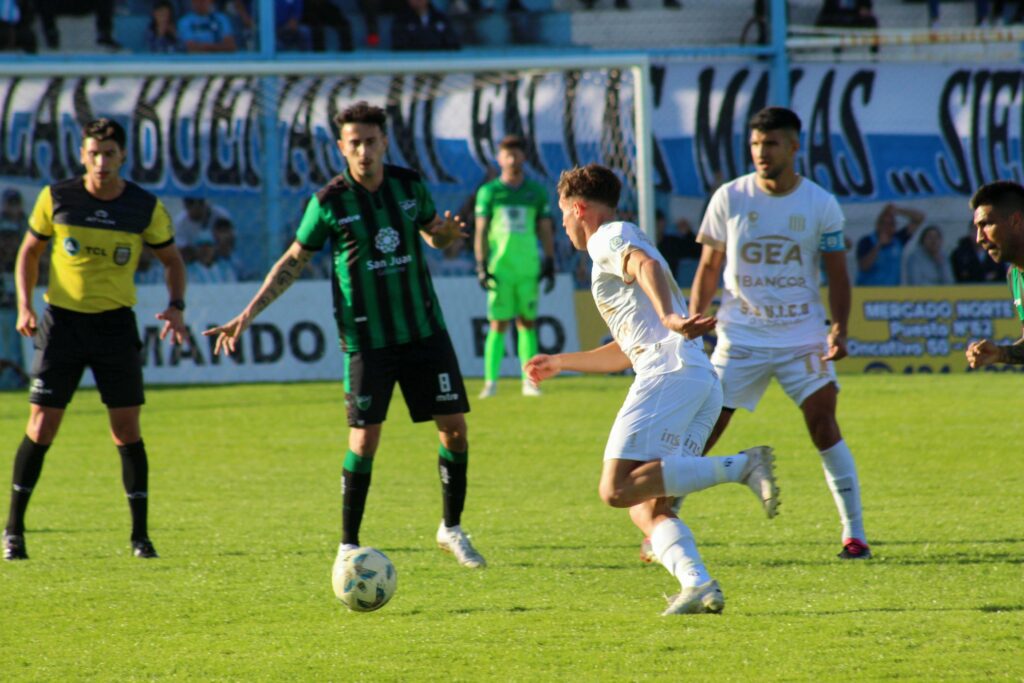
1015, 278
383, 295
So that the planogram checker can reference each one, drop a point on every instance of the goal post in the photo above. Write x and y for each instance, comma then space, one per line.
201, 127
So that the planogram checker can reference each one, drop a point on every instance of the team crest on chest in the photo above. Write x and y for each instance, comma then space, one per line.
71, 246
797, 223
122, 254
408, 207
387, 240
752, 217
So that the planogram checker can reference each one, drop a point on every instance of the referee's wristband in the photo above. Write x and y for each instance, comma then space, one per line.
176, 303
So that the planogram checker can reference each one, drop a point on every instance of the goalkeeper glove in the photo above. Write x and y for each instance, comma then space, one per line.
547, 274
485, 279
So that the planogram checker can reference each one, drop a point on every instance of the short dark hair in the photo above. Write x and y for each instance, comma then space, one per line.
363, 112
105, 129
775, 118
513, 142
1003, 195
592, 182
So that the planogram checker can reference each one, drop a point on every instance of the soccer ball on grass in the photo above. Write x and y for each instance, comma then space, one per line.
364, 579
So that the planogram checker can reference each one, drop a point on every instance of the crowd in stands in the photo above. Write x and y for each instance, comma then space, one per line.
206, 26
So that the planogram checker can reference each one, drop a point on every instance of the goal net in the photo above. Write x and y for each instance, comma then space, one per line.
253, 141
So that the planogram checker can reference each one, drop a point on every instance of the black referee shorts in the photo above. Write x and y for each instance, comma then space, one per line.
67, 342
426, 370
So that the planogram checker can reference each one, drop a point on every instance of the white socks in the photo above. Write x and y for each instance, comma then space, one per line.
675, 547
841, 476
687, 474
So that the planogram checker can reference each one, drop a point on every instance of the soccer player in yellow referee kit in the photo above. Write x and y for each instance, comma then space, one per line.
98, 225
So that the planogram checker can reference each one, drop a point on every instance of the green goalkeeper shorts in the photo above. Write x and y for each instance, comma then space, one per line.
513, 297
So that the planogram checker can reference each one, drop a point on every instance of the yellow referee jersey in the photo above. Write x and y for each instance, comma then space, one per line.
96, 242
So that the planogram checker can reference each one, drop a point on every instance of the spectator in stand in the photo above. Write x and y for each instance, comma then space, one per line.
624, 4
981, 13
421, 26
195, 219
17, 17
927, 264
224, 239
971, 263
880, 254
150, 270
292, 34
11, 373
206, 30
12, 212
319, 15
847, 14
679, 248
207, 268
244, 21
162, 32
104, 10
10, 17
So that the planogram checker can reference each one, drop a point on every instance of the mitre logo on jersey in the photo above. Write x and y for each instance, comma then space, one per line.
408, 207
387, 240
71, 246
773, 250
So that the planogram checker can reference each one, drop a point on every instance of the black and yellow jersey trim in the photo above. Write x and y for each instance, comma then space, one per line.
96, 242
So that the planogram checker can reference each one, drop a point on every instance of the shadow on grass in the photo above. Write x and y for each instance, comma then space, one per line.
515, 609
911, 610
893, 560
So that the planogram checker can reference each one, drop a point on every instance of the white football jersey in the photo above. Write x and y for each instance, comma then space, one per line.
772, 248
652, 348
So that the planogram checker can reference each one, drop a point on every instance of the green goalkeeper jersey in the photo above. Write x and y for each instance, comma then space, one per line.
383, 295
513, 213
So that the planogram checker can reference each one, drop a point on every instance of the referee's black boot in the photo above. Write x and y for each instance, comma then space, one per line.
14, 547
144, 548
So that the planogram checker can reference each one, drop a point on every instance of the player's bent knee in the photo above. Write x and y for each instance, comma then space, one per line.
613, 496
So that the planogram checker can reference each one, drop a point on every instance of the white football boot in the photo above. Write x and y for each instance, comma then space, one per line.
489, 390
759, 476
456, 542
530, 388
706, 598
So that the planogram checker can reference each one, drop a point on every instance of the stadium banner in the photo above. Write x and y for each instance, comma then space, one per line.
903, 330
296, 338
874, 132
910, 330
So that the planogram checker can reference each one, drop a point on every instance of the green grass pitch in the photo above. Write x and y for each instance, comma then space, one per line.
245, 507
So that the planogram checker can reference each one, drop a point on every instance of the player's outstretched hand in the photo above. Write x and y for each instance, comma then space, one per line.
542, 367
836, 347
691, 328
448, 230
174, 325
229, 333
26, 324
982, 353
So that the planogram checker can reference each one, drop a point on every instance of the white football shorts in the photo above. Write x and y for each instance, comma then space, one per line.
745, 372
669, 414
